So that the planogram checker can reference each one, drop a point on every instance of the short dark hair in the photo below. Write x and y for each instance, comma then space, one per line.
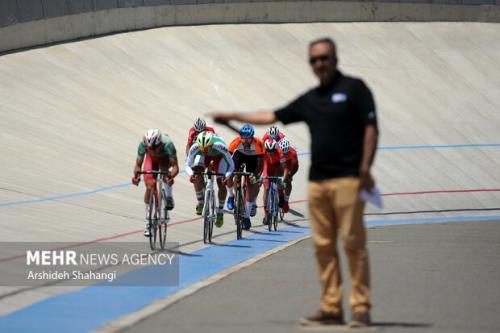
327, 40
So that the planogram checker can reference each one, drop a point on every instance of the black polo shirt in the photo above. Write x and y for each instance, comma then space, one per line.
337, 116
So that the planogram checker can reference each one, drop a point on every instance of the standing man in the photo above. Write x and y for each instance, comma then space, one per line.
341, 117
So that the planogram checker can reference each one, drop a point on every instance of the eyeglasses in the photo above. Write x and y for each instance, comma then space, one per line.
247, 140
205, 149
322, 58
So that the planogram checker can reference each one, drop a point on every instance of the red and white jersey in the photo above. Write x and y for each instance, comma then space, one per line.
266, 136
193, 134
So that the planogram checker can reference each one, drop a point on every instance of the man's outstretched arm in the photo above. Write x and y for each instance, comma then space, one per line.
256, 117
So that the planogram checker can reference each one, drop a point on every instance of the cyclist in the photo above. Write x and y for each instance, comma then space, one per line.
292, 166
157, 152
247, 148
199, 126
275, 166
274, 133
207, 148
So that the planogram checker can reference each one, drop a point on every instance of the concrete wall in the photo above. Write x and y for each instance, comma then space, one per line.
27, 23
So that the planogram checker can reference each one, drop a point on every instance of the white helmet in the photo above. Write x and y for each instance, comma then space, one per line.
205, 140
274, 132
152, 137
270, 144
199, 125
284, 145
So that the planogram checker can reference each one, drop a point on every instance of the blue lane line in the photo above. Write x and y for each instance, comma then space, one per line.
91, 307
113, 187
67, 196
63, 196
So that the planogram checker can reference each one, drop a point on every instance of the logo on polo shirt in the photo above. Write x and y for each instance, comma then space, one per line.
339, 97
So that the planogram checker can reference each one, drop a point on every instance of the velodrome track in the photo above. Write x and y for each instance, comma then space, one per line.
72, 116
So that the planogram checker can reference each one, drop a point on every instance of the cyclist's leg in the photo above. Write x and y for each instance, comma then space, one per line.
164, 164
221, 166
288, 188
199, 164
252, 189
150, 164
231, 187
265, 183
281, 191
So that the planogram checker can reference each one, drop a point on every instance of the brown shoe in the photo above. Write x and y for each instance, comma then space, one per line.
360, 319
321, 318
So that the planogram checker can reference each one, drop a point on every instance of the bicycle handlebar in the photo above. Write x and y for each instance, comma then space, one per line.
207, 173
163, 173
242, 173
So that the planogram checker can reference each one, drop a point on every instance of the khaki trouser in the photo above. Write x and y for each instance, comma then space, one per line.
335, 207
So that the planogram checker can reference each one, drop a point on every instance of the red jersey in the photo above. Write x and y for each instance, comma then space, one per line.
266, 136
274, 165
193, 134
291, 159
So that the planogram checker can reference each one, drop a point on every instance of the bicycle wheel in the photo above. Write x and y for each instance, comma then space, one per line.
238, 213
206, 216
212, 216
275, 211
163, 219
153, 219
270, 206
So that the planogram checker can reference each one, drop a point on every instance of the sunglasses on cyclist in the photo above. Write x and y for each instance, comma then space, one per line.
248, 140
322, 58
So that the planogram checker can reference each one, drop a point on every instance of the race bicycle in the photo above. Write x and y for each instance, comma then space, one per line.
272, 201
210, 205
158, 214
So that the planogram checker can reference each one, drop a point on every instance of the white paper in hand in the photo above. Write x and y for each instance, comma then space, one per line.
373, 197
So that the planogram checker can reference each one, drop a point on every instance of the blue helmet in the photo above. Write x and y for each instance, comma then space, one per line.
247, 131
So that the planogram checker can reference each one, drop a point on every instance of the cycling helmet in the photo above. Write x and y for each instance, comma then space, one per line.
199, 125
152, 137
284, 145
247, 131
274, 132
205, 140
270, 144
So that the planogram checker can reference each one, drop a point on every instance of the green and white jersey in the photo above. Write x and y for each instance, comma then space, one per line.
219, 149
167, 150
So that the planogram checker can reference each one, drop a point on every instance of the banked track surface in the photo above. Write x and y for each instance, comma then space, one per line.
72, 115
